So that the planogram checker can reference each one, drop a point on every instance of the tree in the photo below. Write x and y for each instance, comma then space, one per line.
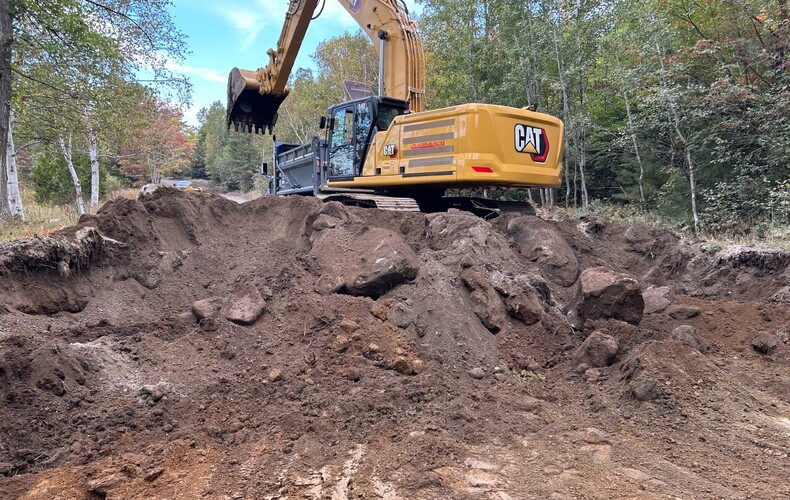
6, 41
74, 61
159, 147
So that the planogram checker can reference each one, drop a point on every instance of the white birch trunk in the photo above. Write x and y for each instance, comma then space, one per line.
66, 150
93, 148
14, 198
632, 131
582, 119
566, 112
686, 148
153, 169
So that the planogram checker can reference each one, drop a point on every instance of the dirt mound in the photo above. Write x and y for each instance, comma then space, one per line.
185, 346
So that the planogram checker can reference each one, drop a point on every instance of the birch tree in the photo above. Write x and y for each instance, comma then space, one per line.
6, 41
14, 197
65, 148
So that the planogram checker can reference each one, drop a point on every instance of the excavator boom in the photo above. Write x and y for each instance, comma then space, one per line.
254, 97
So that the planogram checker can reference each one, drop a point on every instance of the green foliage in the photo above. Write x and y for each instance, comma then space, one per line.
52, 181
706, 84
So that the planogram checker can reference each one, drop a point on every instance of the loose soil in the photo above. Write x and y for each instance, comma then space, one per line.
110, 387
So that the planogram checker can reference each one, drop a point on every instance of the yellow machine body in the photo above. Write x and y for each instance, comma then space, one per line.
471, 145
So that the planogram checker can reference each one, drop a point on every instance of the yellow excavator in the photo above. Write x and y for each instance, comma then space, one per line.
387, 150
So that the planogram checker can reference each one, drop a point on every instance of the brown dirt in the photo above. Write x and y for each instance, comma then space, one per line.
111, 389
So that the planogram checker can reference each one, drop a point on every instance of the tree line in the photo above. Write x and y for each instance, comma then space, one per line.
74, 107
674, 107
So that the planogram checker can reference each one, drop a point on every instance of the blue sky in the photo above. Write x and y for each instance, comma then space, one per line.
237, 33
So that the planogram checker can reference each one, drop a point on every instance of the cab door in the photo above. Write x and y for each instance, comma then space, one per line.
341, 143
349, 138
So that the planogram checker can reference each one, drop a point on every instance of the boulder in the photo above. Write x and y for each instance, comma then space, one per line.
384, 262
524, 308
598, 350
244, 306
401, 315
539, 242
207, 308
485, 301
606, 294
682, 312
657, 299
639, 237
765, 343
689, 335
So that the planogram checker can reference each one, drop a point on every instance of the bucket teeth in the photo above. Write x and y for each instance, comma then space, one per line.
248, 109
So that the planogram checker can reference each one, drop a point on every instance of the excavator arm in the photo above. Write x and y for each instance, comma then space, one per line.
255, 96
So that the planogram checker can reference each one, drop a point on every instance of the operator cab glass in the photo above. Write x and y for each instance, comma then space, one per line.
341, 142
386, 114
351, 129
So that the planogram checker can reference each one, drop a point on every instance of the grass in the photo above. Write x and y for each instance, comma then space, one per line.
42, 220
775, 237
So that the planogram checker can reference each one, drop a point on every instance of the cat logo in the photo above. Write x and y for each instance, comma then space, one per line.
532, 140
355, 5
390, 150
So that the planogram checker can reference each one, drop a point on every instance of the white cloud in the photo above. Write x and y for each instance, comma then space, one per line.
250, 21
205, 73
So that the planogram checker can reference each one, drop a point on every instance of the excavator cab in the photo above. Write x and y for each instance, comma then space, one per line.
351, 128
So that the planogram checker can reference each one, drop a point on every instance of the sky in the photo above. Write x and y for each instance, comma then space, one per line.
222, 35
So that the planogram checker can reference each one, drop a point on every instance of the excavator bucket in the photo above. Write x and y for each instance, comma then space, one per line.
248, 109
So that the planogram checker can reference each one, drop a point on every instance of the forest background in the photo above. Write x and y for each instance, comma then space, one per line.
675, 110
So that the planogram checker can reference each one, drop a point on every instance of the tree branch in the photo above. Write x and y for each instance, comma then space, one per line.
125, 16
32, 78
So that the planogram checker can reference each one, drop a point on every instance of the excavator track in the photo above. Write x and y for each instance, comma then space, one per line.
366, 200
482, 207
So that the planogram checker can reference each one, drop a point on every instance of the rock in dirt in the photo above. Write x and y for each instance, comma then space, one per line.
208, 325
328, 284
103, 485
388, 263
349, 325
598, 350
401, 315
207, 308
645, 389
689, 335
154, 474
593, 375
595, 436
607, 294
245, 305
406, 366
340, 344
275, 375
682, 312
539, 242
765, 342
657, 299
477, 373
485, 301
524, 308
